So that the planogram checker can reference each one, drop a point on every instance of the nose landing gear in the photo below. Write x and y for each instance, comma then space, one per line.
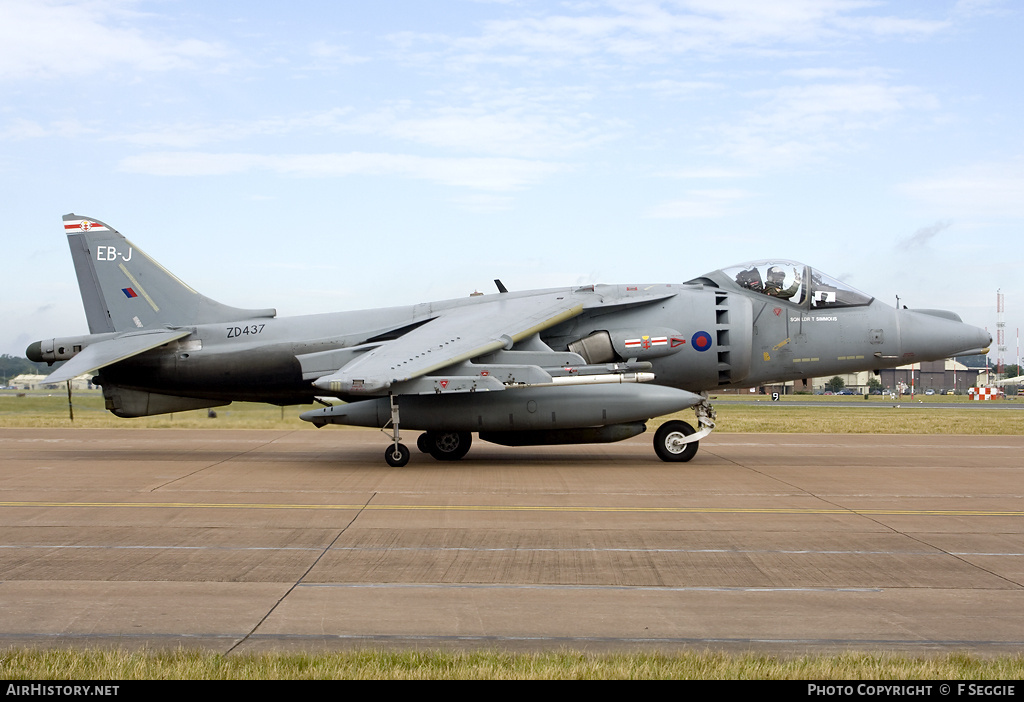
676, 441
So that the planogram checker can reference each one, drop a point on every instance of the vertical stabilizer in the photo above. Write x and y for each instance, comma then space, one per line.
123, 289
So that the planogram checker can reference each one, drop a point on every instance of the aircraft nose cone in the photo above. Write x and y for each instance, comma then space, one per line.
929, 336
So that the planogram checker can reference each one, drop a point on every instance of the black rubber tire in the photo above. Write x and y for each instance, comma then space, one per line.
397, 455
448, 445
666, 443
423, 442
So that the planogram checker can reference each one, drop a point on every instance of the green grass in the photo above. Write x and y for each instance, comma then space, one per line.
183, 664
50, 409
778, 418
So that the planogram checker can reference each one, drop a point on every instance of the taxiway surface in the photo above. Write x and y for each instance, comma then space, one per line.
256, 540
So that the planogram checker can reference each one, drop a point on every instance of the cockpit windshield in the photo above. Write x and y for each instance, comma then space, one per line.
781, 279
795, 282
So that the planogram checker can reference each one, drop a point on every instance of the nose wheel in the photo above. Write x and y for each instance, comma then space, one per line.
670, 442
676, 441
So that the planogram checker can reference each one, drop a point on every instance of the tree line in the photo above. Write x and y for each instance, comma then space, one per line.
11, 366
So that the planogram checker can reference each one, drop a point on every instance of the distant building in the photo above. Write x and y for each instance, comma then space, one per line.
28, 381
940, 376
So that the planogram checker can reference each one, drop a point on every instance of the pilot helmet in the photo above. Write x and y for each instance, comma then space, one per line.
776, 275
749, 279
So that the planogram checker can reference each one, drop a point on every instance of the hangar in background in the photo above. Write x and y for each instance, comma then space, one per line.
29, 381
941, 376
957, 374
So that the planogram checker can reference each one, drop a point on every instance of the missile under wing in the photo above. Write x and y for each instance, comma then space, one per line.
569, 365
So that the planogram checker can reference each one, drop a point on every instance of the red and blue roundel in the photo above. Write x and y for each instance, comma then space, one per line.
701, 341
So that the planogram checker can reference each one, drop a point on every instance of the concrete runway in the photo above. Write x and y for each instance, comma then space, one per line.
259, 540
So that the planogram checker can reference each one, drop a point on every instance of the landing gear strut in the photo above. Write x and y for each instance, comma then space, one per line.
396, 455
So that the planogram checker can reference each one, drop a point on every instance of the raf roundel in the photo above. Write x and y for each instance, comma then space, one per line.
701, 341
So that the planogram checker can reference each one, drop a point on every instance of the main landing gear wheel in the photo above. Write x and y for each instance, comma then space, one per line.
668, 442
445, 445
397, 455
423, 442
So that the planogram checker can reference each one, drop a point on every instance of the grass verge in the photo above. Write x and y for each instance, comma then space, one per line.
494, 665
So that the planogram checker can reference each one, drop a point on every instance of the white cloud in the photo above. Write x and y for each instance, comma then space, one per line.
54, 39
513, 124
714, 172
329, 56
700, 204
802, 124
193, 135
667, 88
20, 129
493, 174
521, 129
980, 191
654, 30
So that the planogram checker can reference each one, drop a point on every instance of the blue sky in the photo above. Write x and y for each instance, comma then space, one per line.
318, 156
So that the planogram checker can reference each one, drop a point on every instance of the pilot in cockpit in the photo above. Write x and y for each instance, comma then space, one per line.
750, 280
776, 279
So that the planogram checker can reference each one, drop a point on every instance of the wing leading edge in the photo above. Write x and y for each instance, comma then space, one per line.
454, 336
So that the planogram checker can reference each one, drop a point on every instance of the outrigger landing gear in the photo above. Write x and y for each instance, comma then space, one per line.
396, 455
677, 441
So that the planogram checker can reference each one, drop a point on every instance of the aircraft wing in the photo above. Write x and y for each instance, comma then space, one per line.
110, 351
455, 335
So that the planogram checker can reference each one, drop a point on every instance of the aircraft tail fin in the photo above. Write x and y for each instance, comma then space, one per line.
124, 289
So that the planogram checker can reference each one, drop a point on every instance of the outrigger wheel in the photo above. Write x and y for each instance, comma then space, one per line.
669, 444
397, 455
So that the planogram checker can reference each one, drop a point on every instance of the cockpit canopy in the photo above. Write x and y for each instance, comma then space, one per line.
788, 280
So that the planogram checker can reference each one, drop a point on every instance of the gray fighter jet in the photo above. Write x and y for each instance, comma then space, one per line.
575, 365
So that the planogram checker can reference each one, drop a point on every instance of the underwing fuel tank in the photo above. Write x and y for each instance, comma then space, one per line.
520, 409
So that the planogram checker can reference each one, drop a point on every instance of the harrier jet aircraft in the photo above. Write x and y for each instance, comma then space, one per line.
570, 365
